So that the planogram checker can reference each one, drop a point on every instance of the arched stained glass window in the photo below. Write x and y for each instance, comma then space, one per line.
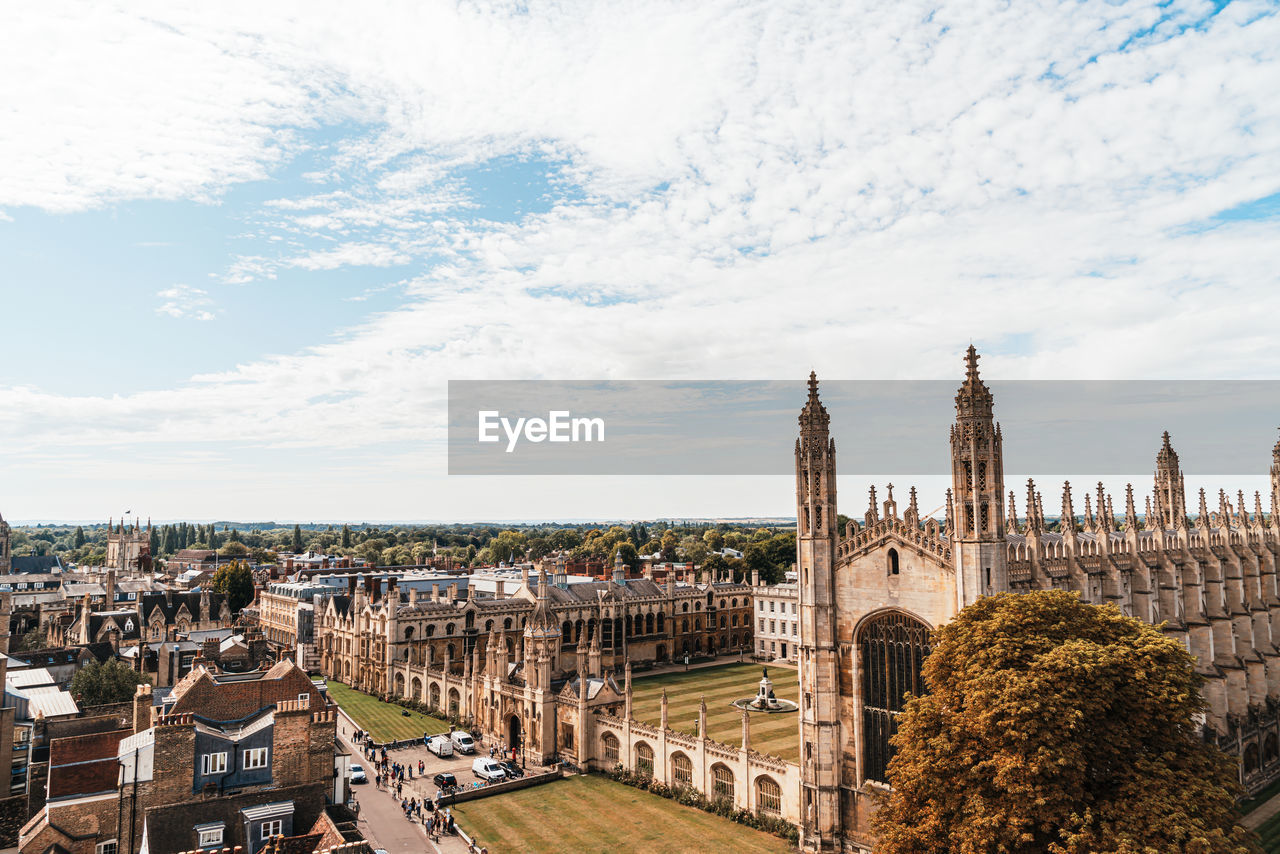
893, 647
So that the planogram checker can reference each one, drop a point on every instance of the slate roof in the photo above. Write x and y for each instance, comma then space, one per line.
35, 563
171, 602
631, 588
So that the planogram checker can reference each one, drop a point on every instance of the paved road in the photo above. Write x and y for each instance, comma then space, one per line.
381, 820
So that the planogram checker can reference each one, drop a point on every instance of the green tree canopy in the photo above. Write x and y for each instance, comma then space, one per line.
236, 580
98, 684
1055, 726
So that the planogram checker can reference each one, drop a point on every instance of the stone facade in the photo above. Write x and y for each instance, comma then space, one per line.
129, 548
777, 616
870, 595
363, 634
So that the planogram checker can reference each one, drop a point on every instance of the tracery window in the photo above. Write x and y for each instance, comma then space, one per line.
644, 759
893, 647
768, 796
681, 770
721, 782
610, 742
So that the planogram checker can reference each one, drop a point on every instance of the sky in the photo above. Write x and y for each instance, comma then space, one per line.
245, 247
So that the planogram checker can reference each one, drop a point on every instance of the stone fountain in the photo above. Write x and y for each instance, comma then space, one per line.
764, 700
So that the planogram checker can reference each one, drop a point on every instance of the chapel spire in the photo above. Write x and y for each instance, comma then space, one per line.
977, 479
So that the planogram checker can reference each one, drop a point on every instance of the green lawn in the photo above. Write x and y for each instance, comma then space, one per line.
777, 734
385, 721
1269, 833
593, 814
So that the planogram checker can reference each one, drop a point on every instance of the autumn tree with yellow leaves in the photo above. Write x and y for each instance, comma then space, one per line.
1056, 727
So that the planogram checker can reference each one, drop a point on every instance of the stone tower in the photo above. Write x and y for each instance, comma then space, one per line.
542, 648
1171, 497
977, 483
1275, 492
819, 664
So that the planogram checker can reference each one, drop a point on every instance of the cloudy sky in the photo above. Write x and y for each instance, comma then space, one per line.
247, 246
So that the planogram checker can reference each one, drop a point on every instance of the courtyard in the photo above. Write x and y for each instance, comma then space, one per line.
385, 721
775, 734
594, 814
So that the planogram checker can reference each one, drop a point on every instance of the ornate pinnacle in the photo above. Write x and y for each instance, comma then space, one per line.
813, 417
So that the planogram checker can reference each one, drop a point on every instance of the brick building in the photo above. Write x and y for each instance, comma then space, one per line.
226, 761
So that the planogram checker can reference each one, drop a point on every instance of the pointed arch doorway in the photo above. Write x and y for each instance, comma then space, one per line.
514, 737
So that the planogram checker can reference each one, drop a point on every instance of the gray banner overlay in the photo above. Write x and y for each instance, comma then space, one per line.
887, 427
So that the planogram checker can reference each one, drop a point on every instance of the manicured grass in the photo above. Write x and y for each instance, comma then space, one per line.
1269, 833
384, 720
776, 734
593, 814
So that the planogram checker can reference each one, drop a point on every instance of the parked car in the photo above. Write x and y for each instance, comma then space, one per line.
488, 770
512, 769
445, 781
463, 742
440, 745
358, 775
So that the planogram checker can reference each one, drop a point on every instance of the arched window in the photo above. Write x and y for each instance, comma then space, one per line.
648, 624
1270, 749
488, 626
893, 562
662, 623
431, 630
721, 782
893, 647
684, 625
685, 607
681, 770
735, 602
768, 796
448, 629
408, 632
1251, 759
506, 624
566, 632
610, 743
644, 759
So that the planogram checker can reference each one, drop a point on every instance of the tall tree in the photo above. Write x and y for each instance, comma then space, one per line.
97, 684
1058, 727
297, 539
236, 580
346, 536
79, 538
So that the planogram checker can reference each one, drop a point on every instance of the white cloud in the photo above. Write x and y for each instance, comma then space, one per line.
186, 302
756, 189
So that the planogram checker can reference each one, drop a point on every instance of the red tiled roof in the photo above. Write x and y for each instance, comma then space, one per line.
198, 692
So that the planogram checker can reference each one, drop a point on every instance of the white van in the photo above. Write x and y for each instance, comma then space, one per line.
463, 742
440, 745
488, 770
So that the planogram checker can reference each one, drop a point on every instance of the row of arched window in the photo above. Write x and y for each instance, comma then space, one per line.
723, 783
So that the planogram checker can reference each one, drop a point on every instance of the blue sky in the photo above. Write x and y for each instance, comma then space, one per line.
247, 248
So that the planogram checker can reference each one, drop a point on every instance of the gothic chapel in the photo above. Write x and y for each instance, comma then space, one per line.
870, 595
